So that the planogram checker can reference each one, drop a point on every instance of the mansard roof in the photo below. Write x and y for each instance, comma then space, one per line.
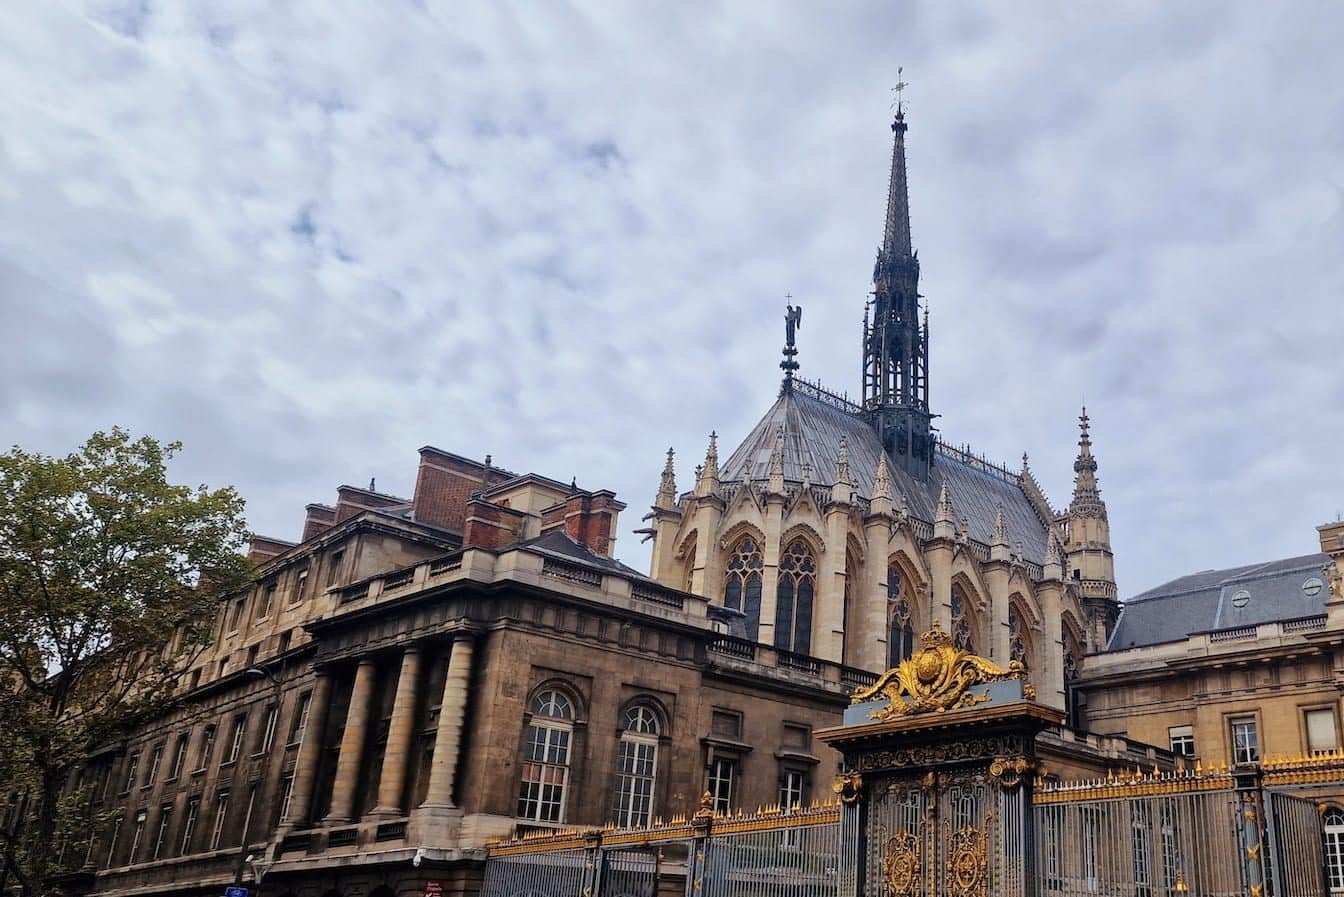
814, 423
1213, 600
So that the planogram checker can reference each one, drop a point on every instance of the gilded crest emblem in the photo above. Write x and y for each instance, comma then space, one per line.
938, 677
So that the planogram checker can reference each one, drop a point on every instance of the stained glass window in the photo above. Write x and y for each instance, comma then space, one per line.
901, 635
742, 587
961, 622
793, 602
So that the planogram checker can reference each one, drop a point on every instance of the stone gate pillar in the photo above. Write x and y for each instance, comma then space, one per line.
939, 762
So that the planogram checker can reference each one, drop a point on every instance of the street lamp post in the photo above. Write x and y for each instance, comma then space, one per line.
257, 672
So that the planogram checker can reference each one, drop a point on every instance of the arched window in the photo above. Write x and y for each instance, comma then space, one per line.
1017, 640
793, 600
961, 621
901, 633
636, 768
1334, 848
541, 794
742, 587
1070, 668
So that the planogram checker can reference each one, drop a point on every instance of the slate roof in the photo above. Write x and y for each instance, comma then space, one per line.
1202, 602
813, 429
560, 545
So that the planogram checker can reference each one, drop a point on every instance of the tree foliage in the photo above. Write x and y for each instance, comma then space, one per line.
109, 580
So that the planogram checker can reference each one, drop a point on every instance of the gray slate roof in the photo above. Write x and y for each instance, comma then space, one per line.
813, 429
1203, 602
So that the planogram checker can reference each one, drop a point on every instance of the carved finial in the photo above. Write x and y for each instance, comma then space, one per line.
807, 474
842, 462
905, 507
1026, 463
1000, 528
707, 479
882, 482
945, 513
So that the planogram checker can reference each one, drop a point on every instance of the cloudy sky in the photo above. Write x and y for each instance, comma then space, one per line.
308, 238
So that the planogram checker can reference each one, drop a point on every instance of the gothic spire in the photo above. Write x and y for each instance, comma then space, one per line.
895, 365
707, 482
1086, 496
667, 487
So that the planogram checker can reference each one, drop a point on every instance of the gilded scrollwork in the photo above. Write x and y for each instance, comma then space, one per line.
1010, 772
938, 677
848, 786
900, 865
967, 863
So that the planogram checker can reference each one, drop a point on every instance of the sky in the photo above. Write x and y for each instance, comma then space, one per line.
308, 238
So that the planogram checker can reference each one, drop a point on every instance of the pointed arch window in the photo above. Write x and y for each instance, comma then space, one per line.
546, 747
901, 633
1017, 642
961, 621
1070, 668
636, 768
793, 600
742, 587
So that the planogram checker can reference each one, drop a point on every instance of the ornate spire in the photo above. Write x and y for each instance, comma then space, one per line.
707, 482
881, 498
1086, 496
842, 489
895, 365
882, 483
1054, 563
945, 520
667, 487
998, 543
1000, 528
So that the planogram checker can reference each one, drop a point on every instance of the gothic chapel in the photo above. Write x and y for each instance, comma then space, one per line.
842, 531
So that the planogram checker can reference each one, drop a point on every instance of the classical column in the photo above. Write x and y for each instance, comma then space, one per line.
352, 745
452, 713
399, 735
310, 751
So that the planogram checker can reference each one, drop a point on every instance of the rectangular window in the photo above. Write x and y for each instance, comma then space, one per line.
636, 770
792, 787
268, 729
165, 817
179, 756
247, 817
266, 601
223, 666
195, 679
221, 812
286, 795
189, 825
236, 615
1245, 740
1321, 731
155, 759
334, 567
300, 580
299, 725
286, 638
723, 782
797, 736
541, 794
112, 843
1182, 740
132, 770
236, 738
207, 747
137, 835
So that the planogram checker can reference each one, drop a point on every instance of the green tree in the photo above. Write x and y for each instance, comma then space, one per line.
110, 576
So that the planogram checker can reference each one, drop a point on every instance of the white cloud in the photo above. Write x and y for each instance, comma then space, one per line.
308, 238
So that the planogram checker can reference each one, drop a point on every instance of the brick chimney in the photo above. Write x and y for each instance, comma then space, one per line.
263, 548
588, 518
320, 518
444, 484
489, 525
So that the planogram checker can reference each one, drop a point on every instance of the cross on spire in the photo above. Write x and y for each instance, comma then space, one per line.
900, 86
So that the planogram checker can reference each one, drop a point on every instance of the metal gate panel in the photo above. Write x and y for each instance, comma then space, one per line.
1297, 855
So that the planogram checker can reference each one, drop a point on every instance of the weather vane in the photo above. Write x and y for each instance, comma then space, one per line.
793, 319
900, 86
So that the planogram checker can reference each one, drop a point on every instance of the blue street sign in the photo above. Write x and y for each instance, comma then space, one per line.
235, 891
